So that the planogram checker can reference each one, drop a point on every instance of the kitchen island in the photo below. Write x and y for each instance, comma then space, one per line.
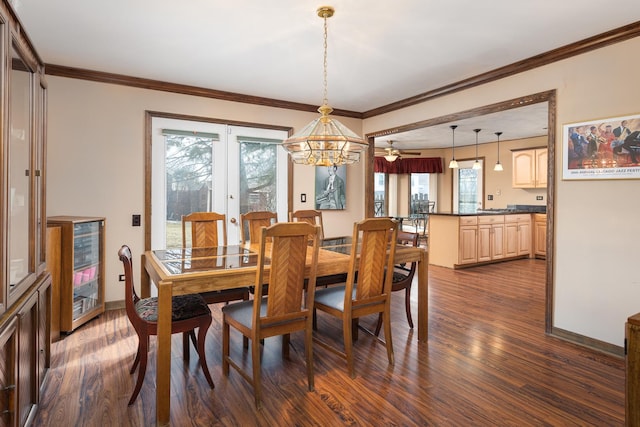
465, 240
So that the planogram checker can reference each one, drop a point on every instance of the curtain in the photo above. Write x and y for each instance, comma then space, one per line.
406, 166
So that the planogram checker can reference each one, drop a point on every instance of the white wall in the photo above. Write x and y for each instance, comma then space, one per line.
95, 158
597, 284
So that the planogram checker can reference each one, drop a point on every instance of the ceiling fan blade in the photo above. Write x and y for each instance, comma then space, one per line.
410, 153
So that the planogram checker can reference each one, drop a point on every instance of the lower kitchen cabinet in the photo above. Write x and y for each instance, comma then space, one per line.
540, 236
457, 241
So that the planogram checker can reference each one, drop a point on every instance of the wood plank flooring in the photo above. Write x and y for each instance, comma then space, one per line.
487, 362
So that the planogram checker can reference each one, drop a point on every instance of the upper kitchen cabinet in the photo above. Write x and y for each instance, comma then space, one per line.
529, 168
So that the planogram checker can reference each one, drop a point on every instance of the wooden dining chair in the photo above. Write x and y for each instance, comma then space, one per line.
403, 277
286, 309
372, 258
188, 313
252, 222
311, 216
209, 229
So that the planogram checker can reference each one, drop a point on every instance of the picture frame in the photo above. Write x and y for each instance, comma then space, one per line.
602, 149
330, 186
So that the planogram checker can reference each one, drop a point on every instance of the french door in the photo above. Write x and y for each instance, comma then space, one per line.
468, 190
202, 166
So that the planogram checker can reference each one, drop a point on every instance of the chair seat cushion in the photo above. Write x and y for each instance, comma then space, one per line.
183, 307
242, 312
399, 277
332, 296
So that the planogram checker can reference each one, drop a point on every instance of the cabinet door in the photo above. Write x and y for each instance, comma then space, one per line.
44, 333
8, 373
511, 239
524, 238
497, 241
484, 242
541, 167
27, 362
467, 245
523, 164
540, 237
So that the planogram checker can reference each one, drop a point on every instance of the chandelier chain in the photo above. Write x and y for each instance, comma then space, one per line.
325, 101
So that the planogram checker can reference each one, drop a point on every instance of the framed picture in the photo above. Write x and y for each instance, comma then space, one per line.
602, 149
331, 186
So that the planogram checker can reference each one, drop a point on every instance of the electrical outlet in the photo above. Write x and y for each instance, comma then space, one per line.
490, 197
539, 198
135, 220
121, 278
303, 198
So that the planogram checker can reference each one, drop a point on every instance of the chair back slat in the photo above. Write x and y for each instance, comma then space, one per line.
288, 257
374, 258
208, 229
251, 224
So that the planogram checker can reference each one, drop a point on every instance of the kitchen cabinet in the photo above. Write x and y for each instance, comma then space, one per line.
517, 235
540, 236
81, 282
457, 241
25, 282
468, 238
490, 238
529, 168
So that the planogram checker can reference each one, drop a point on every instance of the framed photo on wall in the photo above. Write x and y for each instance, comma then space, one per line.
331, 187
602, 149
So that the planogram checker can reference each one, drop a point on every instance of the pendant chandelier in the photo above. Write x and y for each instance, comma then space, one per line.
453, 163
325, 141
498, 167
477, 165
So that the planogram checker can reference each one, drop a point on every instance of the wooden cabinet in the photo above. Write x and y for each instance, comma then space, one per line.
457, 241
490, 238
24, 279
517, 235
468, 252
529, 168
540, 236
81, 287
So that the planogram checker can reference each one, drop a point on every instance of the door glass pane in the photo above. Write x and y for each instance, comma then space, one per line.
467, 190
189, 185
258, 177
19, 169
379, 194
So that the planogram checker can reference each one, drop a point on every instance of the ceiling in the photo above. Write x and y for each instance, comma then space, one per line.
378, 52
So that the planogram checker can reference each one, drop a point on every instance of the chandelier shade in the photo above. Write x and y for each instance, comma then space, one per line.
325, 141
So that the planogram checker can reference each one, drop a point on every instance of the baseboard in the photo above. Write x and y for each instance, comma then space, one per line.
114, 305
591, 343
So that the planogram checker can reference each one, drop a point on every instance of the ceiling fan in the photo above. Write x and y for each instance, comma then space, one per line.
391, 154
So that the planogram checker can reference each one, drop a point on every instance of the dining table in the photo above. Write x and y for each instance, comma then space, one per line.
195, 270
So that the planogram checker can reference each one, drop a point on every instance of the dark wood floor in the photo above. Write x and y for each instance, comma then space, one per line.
487, 362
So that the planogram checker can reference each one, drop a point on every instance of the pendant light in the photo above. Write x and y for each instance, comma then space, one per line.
453, 164
477, 165
498, 166
325, 141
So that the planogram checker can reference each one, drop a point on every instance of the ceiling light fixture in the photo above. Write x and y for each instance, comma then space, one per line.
391, 157
477, 165
325, 141
453, 163
498, 167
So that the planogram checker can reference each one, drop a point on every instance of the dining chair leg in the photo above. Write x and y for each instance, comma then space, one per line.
225, 348
387, 336
202, 334
185, 345
257, 383
286, 338
348, 345
378, 325
309, 355
137, 359
143, 351
407, 305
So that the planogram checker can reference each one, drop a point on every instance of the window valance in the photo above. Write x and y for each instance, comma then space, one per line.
406, 166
